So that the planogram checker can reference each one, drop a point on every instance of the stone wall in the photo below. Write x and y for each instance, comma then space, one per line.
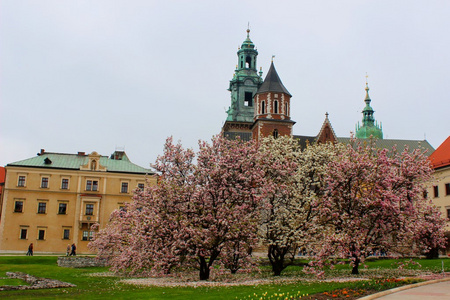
34, 282
80, 262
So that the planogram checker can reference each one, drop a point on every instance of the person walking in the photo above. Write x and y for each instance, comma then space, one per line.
68, 249
74, 250
30, 250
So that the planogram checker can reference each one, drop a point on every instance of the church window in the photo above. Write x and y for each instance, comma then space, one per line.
248, 100
263, 107
275, 133
248, 62
275, 106
242, 62
286, 109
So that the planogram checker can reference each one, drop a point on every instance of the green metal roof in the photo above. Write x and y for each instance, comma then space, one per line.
400, 144
51, 160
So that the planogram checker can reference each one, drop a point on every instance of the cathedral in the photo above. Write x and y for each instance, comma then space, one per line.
261, 108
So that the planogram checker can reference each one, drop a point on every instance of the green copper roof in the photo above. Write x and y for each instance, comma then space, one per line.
51, 160
248, 44
400, 144
369, 126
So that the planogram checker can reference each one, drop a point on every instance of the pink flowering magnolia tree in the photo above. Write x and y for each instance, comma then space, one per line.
195, 215
373, 202
292, 182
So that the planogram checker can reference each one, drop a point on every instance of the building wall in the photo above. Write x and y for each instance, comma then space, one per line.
442, 198
77, 218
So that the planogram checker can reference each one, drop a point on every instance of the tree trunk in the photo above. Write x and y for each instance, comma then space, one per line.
204, 269
356, 265
276, 258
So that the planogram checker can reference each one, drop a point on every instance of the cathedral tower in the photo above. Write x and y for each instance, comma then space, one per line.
243, 87
272, 114
369, 127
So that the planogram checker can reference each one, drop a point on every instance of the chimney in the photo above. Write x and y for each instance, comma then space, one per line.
81, 153
42, 151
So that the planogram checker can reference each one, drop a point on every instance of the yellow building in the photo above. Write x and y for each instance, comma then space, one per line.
440, 191
52, 200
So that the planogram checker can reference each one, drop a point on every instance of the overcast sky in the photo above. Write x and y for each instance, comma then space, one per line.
100, 75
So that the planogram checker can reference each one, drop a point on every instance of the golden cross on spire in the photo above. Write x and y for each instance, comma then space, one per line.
367, 76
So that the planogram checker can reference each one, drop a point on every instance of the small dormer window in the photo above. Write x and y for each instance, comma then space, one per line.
47, 161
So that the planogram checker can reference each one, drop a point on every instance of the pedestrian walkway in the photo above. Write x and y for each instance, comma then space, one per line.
437, 289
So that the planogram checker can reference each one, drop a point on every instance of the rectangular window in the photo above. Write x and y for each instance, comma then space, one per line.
248, 100
87, 235
66, 234
62, 208
448, 213
41, 234
447, 189
44, 182
436, 191
124, 188
18, 206
65, 184
42, 207
23, 233
91, 185
89, 209
141, 186
21, 181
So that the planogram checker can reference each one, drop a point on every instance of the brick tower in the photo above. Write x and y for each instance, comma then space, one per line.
272, 108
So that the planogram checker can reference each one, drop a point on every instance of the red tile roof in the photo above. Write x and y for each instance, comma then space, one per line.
2, 178
441, 157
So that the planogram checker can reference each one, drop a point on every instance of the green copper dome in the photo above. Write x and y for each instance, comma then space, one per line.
369, 126
244, 84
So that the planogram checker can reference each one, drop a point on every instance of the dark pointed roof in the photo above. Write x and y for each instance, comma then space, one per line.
272, 83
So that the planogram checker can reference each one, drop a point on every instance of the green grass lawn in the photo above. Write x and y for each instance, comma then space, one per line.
90, 287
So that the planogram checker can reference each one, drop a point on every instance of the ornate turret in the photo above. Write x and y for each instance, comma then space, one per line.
369, 126
244, 84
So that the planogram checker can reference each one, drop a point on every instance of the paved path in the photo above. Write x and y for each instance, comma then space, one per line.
438, 290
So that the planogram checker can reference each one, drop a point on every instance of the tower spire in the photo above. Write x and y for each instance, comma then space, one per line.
369, 127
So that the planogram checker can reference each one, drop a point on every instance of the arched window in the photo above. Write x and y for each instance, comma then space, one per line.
248, 62
263, 107
286, 112
275, 106
275, 133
